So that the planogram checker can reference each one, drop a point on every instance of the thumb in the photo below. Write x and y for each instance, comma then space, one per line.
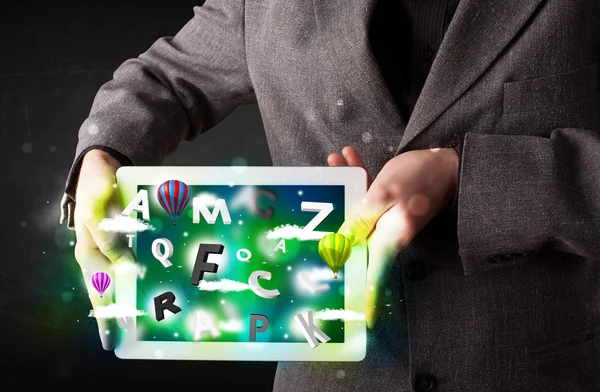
362, 218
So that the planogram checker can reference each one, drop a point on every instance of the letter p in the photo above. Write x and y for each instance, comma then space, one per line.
255, 328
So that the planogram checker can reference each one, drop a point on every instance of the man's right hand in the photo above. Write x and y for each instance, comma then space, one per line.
97, 250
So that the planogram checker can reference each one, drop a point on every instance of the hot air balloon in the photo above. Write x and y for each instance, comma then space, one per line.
173, 196
335, 249
100, 281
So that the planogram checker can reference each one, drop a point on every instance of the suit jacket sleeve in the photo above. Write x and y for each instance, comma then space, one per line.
180, 87
518, 194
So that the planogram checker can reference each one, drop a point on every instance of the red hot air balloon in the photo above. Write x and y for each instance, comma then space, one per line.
100, 281
173, 196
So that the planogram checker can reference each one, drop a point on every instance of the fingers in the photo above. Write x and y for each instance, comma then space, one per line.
350, 157
336, 160
355, 159
91, 261
97, 199
381, 224
98, 250
362, 218
383, 245
91, 211
112, 245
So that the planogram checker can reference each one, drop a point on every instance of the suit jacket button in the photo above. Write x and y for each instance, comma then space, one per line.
423, 382
426, 53
416, 270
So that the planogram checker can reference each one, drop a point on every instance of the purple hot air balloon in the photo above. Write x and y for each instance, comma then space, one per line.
173, 196
101, 281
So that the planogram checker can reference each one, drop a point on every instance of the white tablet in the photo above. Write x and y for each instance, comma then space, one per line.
229, 267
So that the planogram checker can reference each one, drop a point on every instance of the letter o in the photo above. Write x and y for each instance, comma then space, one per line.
245, 258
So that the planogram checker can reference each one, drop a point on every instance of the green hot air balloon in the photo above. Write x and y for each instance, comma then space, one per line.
335, 249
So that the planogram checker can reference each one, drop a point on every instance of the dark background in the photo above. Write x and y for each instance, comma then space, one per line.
54, 55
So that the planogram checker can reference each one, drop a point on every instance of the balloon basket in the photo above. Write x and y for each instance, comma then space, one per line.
174, 223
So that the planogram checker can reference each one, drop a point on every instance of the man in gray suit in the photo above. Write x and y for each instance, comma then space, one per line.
484, 265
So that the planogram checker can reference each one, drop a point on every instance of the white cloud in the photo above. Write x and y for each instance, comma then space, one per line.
288, 231
124, 224
115, 311
319, 274
339, 314
223, 285
312, 280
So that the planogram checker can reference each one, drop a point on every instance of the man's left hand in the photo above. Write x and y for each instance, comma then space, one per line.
409, 191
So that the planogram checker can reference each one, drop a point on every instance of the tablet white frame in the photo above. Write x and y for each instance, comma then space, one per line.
354, 180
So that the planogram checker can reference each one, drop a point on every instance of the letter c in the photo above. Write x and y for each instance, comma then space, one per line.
255, 286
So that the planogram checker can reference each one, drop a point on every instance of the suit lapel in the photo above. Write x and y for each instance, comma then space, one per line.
479, 32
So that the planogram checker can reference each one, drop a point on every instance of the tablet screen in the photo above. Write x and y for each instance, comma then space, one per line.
231, 271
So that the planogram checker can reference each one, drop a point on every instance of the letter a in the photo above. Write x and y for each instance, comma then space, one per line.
204, 323
280, 245
139, 204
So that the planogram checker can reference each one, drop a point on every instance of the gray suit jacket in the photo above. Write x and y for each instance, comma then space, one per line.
500, 292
